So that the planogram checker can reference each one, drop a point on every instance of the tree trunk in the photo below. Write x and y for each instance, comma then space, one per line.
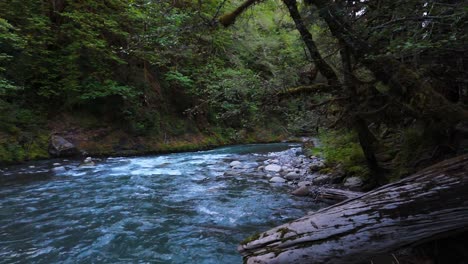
409, 89
322, 65
427, 205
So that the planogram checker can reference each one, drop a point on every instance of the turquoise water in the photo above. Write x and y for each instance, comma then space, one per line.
176, 208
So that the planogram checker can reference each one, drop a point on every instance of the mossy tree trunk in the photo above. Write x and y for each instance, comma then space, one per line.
306, 36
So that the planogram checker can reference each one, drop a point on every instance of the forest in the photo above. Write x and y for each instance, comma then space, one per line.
381, 87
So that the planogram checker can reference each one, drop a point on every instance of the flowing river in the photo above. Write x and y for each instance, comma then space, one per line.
175, 208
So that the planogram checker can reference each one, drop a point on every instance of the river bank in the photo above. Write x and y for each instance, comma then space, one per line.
71, 136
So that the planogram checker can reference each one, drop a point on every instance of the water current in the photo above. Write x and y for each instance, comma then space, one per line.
175, 208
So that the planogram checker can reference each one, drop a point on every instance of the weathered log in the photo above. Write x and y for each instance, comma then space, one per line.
331, 194
429, 204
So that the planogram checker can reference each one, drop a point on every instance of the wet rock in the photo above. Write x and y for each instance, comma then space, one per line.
59, 169
275, 161
235, 163
273, 168
56, 164
304, 183
88, 162
58, 146
353, 182
293, 176
322, 179
301, 191
231, 173
260, 168
316, 166
277, 180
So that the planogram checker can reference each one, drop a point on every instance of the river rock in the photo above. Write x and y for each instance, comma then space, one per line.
235, 163
304, 183
294, 175
353, 182
87, 162
301, 191
231, 173
58, 146
273, 168
277, 180
59, 169
321, 179
316, 166
56, 164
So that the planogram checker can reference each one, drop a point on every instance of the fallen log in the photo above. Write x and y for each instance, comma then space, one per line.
324, 194
332, 195
420, 208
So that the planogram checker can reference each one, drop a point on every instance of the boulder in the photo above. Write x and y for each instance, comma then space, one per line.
292, 176
273, 168
60, 147
322, 179
353, 182
87, 162
235, 163
277, 180
301, 191
316, 166
304, 183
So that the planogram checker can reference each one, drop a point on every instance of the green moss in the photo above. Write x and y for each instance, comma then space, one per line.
283, 231
251, 238
342, 147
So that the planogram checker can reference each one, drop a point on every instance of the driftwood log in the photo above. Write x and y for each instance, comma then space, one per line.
332, 195
427, 205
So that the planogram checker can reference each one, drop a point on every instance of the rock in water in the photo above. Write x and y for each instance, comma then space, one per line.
235, 163
273, 168
277, 180
87, 162
60, 147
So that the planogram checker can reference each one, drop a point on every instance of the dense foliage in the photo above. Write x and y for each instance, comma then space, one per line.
152, 68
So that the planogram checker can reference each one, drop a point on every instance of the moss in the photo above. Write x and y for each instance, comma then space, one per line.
342, 147
283, 231
251, 238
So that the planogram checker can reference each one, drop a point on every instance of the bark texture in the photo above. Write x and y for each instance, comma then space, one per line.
424, 206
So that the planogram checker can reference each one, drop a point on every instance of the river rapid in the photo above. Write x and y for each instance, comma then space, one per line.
175, 208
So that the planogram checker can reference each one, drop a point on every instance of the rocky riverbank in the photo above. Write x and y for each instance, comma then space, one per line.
291, 167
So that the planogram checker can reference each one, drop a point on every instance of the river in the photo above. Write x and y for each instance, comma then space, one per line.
175, 208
